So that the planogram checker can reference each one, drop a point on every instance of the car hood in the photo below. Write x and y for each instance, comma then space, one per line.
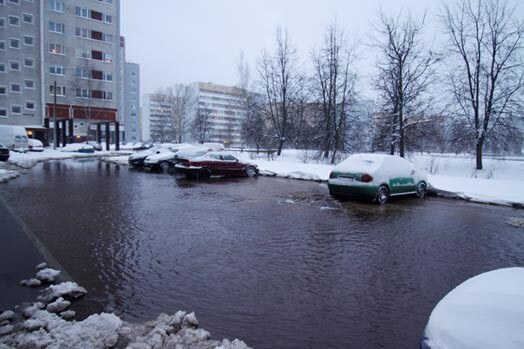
159, 157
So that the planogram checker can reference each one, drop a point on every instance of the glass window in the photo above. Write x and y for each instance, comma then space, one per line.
2, 22
30, 105
14, 20
2, 45
15, 88
3, 90
3, 112
57, 49
28, 18
29, 84
29, 62
14, 65
2, 67
14, 43
29, 40
56, 27
16, 109
55, 5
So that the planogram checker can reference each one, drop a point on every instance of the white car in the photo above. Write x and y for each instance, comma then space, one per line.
376, 176
35, 145
137, 159
165, 160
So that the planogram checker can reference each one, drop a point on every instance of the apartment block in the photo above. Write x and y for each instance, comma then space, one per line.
158, 117
73, 45
131, 106
221, 110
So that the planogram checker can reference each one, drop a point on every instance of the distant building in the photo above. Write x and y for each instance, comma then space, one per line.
131, 108
74, 44
157, 117
221, 109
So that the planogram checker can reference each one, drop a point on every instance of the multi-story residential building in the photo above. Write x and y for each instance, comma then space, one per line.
133, 132
158, 117
72, 44
218, 115
20, 92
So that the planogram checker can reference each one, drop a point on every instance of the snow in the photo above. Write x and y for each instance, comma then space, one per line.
47, 274
359, 163
68, 288
486, 311
75, 147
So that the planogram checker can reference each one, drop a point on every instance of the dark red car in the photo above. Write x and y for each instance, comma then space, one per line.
215, 164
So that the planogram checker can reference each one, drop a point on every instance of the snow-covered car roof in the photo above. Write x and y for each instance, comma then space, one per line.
368, 163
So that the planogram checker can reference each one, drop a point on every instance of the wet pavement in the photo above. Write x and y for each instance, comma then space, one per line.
275, 262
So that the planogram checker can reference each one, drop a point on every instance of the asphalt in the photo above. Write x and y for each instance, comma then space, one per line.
20, 253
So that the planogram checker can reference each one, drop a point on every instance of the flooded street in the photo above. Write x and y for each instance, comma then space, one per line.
275, 262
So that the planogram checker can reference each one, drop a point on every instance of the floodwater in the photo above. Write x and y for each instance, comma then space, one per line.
275, 262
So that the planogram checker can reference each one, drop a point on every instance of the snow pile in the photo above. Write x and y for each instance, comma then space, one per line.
77, 147
486, 311
516, 222
6, 175
45, 324
119, 160
47, 274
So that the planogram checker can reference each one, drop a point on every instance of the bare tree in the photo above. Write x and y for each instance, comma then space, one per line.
334, 82
405, 71
487, 70
183, 104
282, 84
201, 124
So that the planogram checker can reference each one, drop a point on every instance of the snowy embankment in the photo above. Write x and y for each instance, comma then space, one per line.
47, 323
486, 311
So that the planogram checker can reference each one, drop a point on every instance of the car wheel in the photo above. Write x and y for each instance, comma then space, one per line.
382, 195
251, 171
421, 190
204, 173
164, 166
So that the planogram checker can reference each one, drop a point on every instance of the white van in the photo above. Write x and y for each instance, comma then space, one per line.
14, 138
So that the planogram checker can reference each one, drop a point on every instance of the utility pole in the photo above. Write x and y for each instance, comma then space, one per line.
55, 126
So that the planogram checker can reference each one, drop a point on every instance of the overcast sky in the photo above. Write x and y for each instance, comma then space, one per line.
183, 41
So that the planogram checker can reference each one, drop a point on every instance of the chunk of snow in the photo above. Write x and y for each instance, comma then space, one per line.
31, 282
190, 319
7, 315
57, 306
486, 311
235, 344
68, 288
33, 325
32, 309
68, 314
41, 265
47, 274
6, 329
516, 222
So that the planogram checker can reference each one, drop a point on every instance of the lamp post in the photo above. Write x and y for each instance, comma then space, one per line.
55, 126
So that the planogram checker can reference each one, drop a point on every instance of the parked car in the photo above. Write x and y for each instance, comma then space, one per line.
376, 177
216, 163
4, 152
165, 160
137, 160
96, 146
35, 145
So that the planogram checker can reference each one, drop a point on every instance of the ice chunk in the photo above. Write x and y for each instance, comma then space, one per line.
68, 288
47, 274
7, 315
57, 306
31, 282
41, 265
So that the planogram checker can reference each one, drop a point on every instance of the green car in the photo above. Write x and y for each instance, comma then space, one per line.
376, 177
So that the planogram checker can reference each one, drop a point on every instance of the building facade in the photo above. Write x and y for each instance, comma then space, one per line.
218, 114
158, 117
131, 107
75, 47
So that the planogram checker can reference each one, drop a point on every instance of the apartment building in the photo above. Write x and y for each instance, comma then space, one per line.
131, 106
158, 117
220, 111
73, 45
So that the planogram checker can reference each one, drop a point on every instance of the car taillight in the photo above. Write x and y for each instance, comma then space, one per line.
366, 178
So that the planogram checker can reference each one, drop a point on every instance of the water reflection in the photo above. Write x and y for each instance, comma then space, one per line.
260, 258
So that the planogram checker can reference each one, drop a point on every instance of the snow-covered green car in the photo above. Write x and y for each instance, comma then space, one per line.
376, 177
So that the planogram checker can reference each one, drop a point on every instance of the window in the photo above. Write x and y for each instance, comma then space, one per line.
82, 93
15, 88
3, 90
29, 105
3, 112
2, 67
57, 49
81, 53
16, 109
82, 73
108, 76
81, 12
15, 2
55, 5
2, 45
14, 43
14, 20
109, 19
29, 40
14, 65
56, 27
82, 32
29, 62
2, 22
28, 18
56, 70
60, 90
108, 57
30, 84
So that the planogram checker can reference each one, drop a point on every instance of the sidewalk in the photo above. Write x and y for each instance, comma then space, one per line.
20, 253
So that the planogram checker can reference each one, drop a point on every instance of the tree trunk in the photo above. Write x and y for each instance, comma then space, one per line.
478, 152
280, 146
392, 149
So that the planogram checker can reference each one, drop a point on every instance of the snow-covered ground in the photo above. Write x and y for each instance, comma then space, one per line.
486, 311
501, 182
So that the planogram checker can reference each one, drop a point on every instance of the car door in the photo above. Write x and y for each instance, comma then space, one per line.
401, 176
232, 166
